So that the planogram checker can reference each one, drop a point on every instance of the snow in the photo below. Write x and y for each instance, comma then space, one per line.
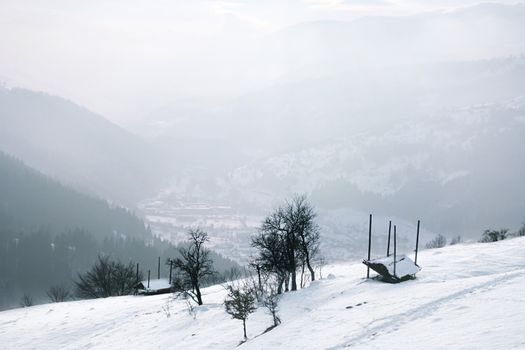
467, 296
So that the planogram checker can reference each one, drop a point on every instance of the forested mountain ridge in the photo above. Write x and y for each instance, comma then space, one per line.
30, 201
49, 233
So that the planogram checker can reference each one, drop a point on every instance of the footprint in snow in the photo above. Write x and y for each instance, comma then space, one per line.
358, 304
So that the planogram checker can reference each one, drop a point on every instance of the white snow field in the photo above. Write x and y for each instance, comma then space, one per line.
467, 296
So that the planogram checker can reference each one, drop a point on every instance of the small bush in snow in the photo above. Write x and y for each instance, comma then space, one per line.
494, 235
58, 294
26, 300
456, 240
438, 242
107, 278
240, 303
167, 308
321, 262
521, 231
190, 308
271, 303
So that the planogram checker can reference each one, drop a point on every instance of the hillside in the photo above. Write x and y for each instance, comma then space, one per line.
438, 142
30, 200
75, 145
49, 233
466, 297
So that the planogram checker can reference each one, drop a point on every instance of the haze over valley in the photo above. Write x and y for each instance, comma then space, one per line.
387, 116
128, 126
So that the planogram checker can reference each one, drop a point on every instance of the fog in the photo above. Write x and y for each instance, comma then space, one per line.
126, 59
211, 113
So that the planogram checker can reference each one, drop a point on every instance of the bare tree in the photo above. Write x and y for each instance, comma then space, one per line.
234, 273
521, 231
240, 303
438, 242
456, 240
494, 235
107, 278
271, 257
254, 265
271, 303
26, 300
58, 294
278, 246
288, 238
193, 266
301, 215
321, 262
124, 278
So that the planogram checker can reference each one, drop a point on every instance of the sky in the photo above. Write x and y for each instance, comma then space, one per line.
123, 59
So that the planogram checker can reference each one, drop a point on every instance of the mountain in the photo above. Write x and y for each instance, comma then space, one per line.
49, 233
467, 296
436, 142
330, 47
458, 172
290, 116
81, 148
30, 200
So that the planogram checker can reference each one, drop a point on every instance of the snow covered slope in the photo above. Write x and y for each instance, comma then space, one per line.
466, 297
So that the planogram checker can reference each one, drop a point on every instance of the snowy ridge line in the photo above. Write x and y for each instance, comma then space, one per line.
392, 323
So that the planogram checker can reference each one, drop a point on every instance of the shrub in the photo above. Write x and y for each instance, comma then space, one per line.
57, 294
107, 278
494, 235
456, 240
26, 300
438, 242
271, 303
240, 303
193, 267
521, 231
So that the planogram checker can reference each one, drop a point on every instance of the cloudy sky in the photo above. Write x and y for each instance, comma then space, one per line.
105, 55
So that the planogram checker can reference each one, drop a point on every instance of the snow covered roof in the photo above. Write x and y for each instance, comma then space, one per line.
404, 267
154, 285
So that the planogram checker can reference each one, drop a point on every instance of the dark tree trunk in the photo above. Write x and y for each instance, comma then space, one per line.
302, 275
307, 259
294, 280
280, 281
259, 276
312, 272
198, 295
244, 328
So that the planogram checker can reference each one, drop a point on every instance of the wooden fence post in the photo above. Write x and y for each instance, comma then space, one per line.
417, 242
395, 250
389, 230
171, 268
369, 245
